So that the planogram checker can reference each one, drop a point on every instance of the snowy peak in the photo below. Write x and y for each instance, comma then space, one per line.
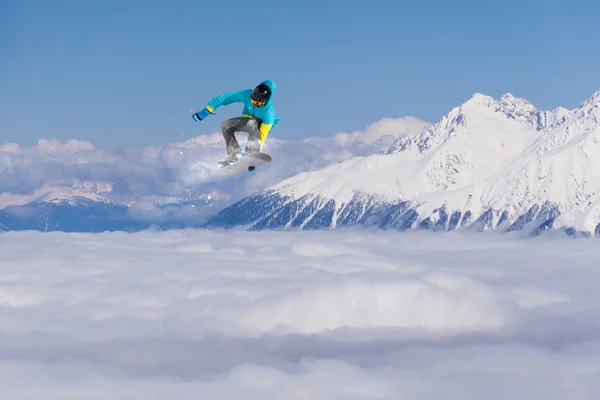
589, 110
592, 101
507, 104
478, 100
473, 119
578, 130
471, 143
513, 108
63, 192
77, 193
520, 110
510, 102
72, 200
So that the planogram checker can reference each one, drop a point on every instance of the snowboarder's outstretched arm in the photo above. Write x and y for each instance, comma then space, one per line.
224, 99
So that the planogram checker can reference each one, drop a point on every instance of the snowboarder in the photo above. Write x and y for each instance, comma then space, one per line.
257, 120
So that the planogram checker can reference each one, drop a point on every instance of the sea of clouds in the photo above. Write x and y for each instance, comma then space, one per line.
344, 314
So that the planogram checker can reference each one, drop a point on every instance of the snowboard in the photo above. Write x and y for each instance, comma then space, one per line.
246, 163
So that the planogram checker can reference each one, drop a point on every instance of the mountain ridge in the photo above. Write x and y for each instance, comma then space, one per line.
487, 164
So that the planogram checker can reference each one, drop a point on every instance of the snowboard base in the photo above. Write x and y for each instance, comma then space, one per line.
246, 163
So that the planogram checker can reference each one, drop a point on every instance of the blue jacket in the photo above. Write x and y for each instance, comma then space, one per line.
266, 113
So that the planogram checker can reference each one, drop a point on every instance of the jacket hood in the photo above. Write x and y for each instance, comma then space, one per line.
270, 84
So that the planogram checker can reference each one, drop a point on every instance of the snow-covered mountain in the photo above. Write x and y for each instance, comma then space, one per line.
74, 208
73, 214
60, 192
75, 195
488, 164
81, 209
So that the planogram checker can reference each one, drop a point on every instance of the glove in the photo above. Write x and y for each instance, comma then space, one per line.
199, 116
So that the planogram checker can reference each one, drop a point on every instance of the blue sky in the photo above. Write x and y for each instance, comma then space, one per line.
125, 74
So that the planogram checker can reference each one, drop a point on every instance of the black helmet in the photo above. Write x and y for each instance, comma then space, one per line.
261, 93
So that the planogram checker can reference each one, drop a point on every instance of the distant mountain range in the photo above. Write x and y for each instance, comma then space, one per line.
488, 164
80, 213
74, 214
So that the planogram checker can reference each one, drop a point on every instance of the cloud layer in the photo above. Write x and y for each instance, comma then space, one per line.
345, 314
179, 171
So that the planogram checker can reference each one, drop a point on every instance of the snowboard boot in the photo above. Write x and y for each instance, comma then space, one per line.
232, 158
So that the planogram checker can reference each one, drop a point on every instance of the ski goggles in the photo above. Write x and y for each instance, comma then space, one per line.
257, 103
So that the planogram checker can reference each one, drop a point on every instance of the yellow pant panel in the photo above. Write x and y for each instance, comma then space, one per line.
264, 131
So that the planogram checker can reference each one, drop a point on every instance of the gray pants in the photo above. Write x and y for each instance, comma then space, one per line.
250, 125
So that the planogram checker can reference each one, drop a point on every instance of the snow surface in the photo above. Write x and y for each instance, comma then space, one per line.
503, 155
343, 314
